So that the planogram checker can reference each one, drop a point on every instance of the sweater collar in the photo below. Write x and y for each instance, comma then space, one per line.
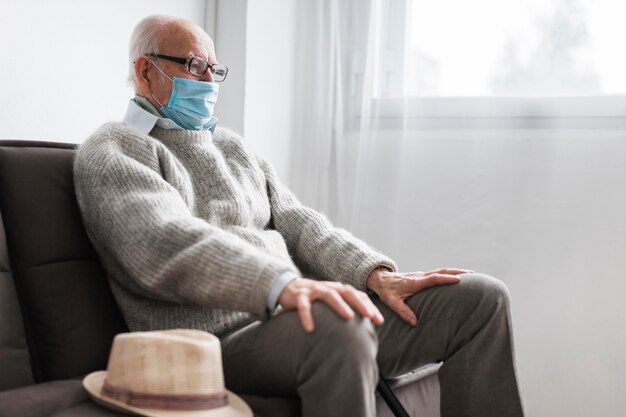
182, 137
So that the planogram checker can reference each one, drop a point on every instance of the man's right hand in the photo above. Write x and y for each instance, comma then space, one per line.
343, 298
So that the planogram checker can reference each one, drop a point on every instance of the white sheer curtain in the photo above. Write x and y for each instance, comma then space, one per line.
525, 187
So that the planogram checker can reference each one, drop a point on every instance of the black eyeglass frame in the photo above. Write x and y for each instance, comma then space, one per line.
187, 63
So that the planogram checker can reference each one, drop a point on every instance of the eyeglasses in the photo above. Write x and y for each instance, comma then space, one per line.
197, 66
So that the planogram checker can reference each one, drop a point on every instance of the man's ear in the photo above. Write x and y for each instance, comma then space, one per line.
142, 74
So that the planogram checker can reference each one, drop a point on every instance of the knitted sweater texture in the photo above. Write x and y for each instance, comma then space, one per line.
193, 229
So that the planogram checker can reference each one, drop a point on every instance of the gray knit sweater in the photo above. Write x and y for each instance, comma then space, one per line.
193, 229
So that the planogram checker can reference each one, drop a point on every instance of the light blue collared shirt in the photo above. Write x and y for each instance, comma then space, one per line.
143, 116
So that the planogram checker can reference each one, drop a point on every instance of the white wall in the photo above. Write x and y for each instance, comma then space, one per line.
270, 74
256, 39
64, 63
230, 48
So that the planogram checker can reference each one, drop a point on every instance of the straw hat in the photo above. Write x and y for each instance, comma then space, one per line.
169, 373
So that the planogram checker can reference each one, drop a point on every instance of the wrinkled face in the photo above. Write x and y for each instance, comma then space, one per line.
181, 40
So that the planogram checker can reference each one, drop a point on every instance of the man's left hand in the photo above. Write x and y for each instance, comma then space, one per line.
395, 287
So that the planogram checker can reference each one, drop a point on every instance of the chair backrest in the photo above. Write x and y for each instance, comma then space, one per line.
69, 313
14, 358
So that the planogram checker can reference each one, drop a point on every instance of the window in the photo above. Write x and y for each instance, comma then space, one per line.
516, 48
500, 63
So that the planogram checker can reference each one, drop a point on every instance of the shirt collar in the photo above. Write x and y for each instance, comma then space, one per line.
141, 116
146, 105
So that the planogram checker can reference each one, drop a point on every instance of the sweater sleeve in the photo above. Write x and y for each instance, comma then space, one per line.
145, 234
315, 244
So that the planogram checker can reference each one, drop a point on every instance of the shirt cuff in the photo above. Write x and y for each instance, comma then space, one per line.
279, 285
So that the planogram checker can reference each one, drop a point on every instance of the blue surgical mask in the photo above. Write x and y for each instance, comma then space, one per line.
191, 103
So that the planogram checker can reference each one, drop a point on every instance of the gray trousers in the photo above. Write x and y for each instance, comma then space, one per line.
335, 369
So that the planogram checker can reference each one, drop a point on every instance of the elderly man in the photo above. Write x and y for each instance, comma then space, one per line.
196, 231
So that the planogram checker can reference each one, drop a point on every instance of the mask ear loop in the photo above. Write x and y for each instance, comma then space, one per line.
166, 76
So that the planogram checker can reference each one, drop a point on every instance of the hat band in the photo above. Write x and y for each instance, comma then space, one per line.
163, 401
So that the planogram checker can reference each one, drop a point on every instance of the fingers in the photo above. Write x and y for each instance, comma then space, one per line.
403, 310
448, 271
340, 297
336, 302
375, 315
344, 298
362, 304
304, 311
437, 279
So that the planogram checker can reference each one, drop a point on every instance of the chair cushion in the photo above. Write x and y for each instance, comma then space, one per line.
14, 357
71, 317
42, 399
418, 391
69, 399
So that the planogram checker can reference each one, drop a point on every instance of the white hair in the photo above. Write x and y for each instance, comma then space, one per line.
144, 40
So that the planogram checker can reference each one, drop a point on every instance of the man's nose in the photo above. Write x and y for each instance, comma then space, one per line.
208, 76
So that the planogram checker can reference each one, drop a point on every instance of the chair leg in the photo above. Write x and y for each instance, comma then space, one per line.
390, 398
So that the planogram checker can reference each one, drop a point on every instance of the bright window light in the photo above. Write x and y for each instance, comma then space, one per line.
515, 48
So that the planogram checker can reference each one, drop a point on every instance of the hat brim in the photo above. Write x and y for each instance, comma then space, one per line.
93, 384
